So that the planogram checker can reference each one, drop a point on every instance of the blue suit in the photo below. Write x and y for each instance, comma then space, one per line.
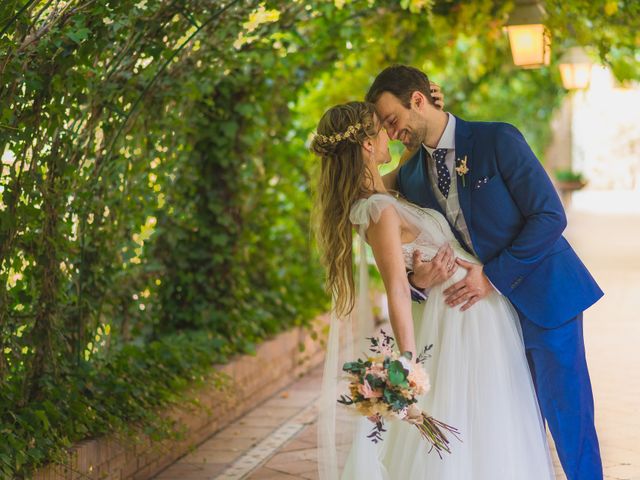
515, 221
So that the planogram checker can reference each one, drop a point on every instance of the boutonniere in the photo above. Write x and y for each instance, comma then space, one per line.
461, 168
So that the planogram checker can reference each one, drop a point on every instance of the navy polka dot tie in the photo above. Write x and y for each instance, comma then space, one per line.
444, 177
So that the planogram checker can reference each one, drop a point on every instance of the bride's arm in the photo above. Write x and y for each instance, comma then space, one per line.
384, 238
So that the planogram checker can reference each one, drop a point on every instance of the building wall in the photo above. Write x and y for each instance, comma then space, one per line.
606, 133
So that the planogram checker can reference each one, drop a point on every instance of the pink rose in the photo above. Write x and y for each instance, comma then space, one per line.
419, 380
367, 392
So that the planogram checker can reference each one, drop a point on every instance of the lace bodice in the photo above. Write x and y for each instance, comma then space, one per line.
432, 227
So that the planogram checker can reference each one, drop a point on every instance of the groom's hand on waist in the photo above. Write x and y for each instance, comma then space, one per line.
427, 274
475, 286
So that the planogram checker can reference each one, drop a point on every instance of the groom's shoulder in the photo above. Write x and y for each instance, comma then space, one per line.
493, 132
494, 128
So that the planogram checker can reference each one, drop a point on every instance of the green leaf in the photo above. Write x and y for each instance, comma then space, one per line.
79, 35
41, 414
397, 374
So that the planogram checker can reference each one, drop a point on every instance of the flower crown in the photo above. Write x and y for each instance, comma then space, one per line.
337, 137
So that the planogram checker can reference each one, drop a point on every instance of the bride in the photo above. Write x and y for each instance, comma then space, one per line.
480, 380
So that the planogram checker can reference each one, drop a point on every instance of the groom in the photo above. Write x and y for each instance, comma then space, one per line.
502, 206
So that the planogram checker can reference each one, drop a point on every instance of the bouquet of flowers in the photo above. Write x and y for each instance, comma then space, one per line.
386, 386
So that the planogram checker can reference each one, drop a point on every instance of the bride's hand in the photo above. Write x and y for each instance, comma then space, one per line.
427, 274
437, 95
475, 286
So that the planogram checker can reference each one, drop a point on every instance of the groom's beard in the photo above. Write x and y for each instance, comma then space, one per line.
414, 138
417, 133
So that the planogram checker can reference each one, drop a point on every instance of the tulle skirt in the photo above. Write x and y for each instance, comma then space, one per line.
480, 384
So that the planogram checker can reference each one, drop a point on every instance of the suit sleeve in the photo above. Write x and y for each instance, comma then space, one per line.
417, 295
536, 198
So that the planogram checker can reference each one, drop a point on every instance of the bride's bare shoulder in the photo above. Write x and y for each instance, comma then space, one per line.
385, 218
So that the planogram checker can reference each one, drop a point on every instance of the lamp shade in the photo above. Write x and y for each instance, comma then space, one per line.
528, 37
575, 69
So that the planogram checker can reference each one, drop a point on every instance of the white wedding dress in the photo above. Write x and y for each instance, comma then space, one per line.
480, 380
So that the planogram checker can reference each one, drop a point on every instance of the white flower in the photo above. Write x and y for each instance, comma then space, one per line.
406, 363
414, 414
107, 21
414, 410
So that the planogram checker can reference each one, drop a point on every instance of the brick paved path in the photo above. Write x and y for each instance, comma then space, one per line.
278, 439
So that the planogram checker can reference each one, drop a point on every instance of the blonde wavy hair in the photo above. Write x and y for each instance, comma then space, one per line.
343, 179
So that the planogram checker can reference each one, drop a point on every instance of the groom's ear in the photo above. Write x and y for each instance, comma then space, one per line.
418, 99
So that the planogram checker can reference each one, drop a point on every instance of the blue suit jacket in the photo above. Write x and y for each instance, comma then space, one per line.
515, 219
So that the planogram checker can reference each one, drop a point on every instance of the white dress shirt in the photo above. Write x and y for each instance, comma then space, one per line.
448, 141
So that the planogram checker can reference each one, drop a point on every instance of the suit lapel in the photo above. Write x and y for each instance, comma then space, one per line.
464, 146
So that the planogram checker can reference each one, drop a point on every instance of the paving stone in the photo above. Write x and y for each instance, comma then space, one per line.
244, 430
187, 471
268, 474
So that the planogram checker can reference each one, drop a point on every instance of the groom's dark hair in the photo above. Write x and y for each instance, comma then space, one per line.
401, 81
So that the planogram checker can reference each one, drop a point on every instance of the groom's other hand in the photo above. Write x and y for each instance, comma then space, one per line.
475, 286
437, 95
427, 274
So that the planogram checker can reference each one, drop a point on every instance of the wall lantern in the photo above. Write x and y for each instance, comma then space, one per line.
575, 69
529, 39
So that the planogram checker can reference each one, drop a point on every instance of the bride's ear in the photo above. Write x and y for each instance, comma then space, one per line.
367, 146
